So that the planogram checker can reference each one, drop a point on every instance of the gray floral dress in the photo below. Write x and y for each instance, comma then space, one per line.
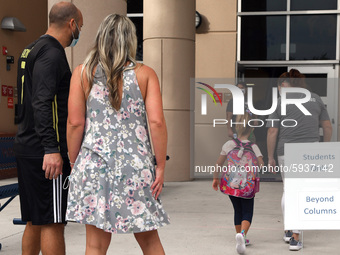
111, 179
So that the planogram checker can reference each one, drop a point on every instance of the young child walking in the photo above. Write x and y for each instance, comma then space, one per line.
239, 177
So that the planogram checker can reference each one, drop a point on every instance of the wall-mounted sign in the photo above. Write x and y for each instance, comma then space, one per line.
10, 91
4, 90
10, 102
217, 96
312, 186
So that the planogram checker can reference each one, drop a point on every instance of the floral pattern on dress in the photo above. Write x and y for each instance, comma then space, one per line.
111, 179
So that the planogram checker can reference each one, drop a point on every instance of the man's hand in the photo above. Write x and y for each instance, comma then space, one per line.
271, 165
53, 165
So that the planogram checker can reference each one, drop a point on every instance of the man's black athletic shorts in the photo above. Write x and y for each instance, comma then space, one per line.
42, 201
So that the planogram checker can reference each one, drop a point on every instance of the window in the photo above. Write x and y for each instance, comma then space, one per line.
263, 38
135, 13
312, 37
135, 6
288, 30
264, 5
303, 5
281, 5
317, 83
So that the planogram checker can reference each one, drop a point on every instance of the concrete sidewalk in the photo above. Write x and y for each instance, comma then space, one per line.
201, 224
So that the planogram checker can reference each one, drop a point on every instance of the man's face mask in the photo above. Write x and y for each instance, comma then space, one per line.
75, 40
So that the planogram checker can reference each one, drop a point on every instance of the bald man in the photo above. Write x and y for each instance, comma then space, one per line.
40, 145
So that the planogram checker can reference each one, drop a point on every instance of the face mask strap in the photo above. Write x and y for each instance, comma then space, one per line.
77, 29
75, 40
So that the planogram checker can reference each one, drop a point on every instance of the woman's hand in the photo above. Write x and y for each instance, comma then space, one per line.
216, 183
157, 185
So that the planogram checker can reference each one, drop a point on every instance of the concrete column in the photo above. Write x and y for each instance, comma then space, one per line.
93, 13
169, 48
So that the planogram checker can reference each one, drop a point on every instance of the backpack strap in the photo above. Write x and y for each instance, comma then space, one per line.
249, 146
237, 142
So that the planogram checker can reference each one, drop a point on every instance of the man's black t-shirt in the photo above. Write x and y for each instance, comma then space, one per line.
43, 87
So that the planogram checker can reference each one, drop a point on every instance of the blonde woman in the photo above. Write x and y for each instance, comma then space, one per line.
114, 184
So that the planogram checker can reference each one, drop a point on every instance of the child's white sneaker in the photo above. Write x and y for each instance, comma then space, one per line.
240, 243
247, 242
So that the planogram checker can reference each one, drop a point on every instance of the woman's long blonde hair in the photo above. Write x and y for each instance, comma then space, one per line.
114, 46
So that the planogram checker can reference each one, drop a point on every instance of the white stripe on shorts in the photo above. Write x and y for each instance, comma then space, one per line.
57, 198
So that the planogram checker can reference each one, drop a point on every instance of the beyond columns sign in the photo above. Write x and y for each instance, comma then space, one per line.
312, 186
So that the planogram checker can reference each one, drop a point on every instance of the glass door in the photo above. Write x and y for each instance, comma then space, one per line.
322, 81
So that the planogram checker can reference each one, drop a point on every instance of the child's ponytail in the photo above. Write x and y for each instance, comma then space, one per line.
242, 128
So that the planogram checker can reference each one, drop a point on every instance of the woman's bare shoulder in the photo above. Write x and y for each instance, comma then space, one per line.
144, 71
77, 70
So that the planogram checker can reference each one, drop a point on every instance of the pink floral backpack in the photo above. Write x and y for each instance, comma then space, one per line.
239, 179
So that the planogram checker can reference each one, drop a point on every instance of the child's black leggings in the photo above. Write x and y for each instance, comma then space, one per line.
243, 208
